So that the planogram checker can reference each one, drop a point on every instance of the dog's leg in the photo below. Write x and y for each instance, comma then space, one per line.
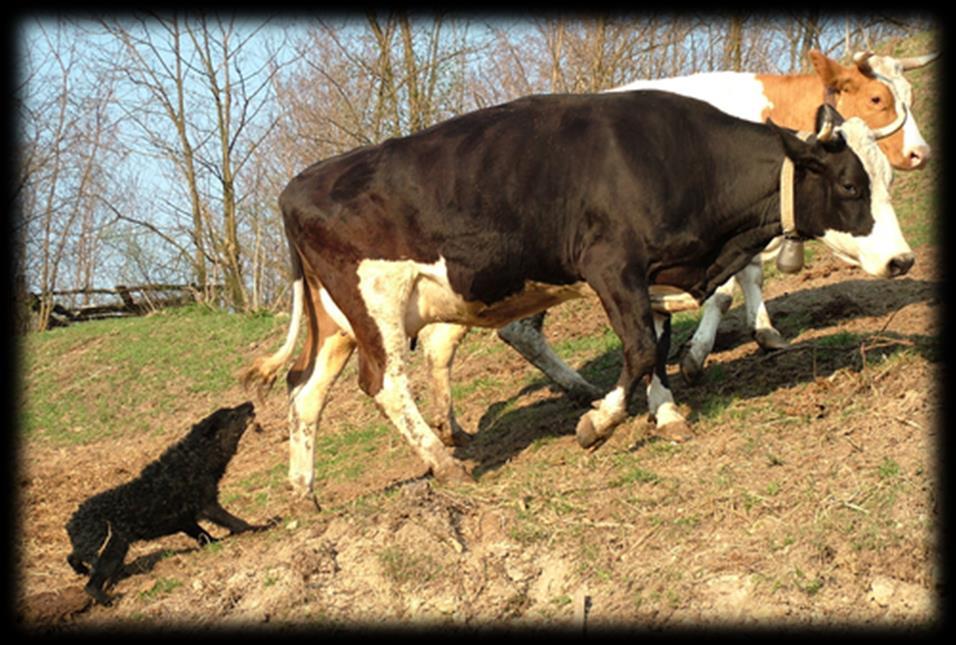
77, 564
106, 567
214, 512
198, 533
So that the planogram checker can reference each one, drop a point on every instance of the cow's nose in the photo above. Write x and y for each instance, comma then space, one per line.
901, 264
918, 156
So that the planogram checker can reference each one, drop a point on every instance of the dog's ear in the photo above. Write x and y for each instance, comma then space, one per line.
206, 428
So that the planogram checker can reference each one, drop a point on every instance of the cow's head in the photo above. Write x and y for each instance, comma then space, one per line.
842, 197
873, 89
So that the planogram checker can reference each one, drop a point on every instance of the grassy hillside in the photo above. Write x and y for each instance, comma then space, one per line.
107, 378
916, 195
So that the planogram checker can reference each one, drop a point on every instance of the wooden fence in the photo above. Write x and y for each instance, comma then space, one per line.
148, 297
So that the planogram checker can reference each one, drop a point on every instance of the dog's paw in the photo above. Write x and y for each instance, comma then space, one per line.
98, 595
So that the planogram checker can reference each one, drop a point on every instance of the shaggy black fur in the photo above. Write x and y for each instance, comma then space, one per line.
170, 495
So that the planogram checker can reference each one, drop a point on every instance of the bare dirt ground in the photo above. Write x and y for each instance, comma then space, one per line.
808, 496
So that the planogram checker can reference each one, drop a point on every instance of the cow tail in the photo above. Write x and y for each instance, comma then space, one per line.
263, 371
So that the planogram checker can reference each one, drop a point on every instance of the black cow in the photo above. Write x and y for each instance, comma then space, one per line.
500, 213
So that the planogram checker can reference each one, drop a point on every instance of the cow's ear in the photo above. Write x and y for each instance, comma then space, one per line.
808, 155
834, 75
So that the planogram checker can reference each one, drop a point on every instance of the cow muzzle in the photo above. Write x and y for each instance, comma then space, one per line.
900, 265
883, 253
918, 156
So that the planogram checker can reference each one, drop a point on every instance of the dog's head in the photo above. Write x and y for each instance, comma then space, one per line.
223, 429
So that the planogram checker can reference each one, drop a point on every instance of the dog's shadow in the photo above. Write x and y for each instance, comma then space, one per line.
146, 563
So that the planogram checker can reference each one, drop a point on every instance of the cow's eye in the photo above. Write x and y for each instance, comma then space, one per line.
876, 100
850, 189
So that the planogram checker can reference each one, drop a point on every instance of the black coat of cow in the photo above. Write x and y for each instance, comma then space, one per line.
620, 191
645, 187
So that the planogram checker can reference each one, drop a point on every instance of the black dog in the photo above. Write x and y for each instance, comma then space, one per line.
170, 495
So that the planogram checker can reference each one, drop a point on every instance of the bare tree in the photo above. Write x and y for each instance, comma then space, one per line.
68, 133
197, 81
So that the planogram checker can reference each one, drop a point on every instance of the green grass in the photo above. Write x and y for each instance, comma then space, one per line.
101, 379
161, 587
343, 455
916, 195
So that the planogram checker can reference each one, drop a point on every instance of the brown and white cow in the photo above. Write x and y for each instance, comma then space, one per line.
502, 212
873, 88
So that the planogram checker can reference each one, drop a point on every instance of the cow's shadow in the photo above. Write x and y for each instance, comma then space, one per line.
505, 430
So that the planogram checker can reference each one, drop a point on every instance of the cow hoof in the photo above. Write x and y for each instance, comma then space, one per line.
587, 434
690, 369
452, 472
460, 439
303, 503
452, 437
677, 431
770, 339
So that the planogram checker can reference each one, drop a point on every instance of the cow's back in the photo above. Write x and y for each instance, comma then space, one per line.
510, 193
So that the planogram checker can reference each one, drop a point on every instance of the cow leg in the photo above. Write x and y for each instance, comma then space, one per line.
670, 424
702, 342
386, 290
329, 354
526, 338
627, 303
439, 342
750, 279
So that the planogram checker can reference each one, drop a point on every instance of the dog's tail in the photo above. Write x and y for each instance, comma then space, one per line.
262, 373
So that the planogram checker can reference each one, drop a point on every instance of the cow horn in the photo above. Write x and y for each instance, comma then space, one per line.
918, 61
862, 61
827, 126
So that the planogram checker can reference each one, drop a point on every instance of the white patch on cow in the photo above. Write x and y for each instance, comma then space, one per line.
736, 93
334, 312
288, 346
660, 403
439, 342
390, 291
750, 279
428, 297
702, 342
608, 412
660, 400
891, 72
873, 252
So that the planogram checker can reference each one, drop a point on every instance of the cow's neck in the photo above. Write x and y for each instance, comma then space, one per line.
750, 228
794, 99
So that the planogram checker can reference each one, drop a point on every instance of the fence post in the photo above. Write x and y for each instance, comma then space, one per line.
124, 293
